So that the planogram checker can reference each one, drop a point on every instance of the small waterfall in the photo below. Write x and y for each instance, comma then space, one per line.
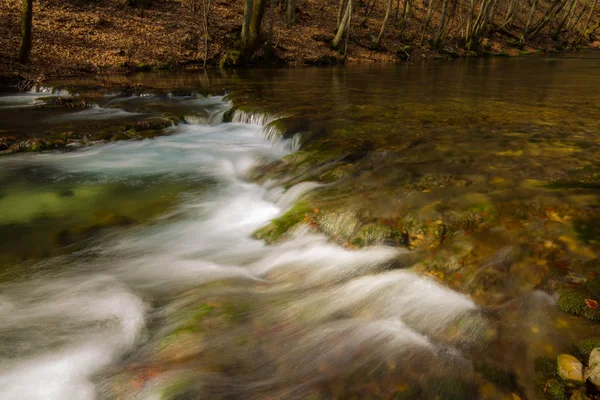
50, 91
251, 118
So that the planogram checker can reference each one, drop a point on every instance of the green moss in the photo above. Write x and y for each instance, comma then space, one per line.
175, 389
585, 346
502, 378
203, 311
555, 390
279, 227
546, 367
236, 312
574, 303
452, 389
373, 234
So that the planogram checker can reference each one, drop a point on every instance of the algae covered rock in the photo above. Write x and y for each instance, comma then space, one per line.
373, 234
279, 227
569, 368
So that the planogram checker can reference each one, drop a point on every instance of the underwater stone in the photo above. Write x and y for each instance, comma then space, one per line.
569, 368
593, 373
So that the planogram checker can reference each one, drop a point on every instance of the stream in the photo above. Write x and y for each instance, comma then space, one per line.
131, 269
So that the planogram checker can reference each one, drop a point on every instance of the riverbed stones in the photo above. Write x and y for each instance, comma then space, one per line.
570, 369
593, 372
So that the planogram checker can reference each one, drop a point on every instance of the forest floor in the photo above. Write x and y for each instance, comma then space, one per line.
74, 37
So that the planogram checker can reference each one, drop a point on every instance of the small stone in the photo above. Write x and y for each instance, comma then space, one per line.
569, 368
579, 395
593, 372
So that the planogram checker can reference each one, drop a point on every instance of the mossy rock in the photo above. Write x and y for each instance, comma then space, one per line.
575, 303
452, 389
278, 228
342, 225
584, 347
374, 234
502, 378
570, 369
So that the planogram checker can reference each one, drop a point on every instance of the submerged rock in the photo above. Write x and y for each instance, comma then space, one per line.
579, 395
570, 369
593, 372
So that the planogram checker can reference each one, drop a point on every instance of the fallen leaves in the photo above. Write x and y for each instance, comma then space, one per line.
593, 304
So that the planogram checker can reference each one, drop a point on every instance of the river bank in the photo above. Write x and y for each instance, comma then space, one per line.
81, 37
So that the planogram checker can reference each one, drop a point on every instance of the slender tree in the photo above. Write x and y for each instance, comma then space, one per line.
26, 22
291, 12
388, 11
528, 24
205, 19
248, 4
254, 12
344, 24
587, 23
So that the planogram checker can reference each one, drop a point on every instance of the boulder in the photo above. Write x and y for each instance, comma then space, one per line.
593, 372
570, 369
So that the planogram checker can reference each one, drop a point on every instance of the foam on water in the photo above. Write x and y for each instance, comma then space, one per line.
58, 333
93, 316
95, 112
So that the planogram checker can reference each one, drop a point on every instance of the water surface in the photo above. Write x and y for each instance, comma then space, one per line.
129, 268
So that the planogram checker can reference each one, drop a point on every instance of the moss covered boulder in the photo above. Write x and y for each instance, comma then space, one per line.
569, 369
583, 300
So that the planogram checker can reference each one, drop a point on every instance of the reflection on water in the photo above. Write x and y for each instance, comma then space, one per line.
129, 269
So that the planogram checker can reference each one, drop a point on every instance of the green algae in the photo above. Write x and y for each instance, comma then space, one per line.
575, 303
555, 390
585, 346
281, 226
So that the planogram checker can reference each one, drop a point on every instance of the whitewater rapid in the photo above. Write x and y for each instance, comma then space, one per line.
59, 330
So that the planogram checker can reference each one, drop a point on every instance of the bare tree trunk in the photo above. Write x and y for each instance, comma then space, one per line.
340, 13
436, 41
405, 12
344, 24
368, 10
529, 19
575, 21
388, 11
291, 12
549, 16
205, 15
348, 31
430, 8
587, 22
26, 22
271, 18
248, 4
251, 41
560, 25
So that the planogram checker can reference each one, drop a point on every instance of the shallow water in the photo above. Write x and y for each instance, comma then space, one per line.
129, 269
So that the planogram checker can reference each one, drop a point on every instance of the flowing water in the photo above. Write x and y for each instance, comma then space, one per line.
129, 269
